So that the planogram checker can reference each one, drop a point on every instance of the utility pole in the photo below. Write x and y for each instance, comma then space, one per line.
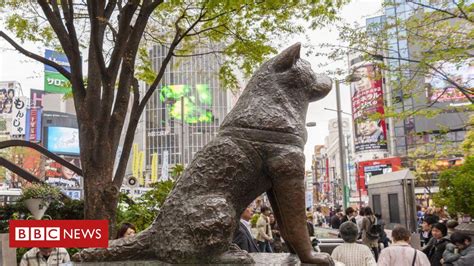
341, 147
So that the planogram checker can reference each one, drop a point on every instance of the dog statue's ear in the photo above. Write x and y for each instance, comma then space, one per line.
286, 59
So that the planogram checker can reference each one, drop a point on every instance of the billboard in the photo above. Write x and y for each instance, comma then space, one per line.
55, 82
18, 116
197, 102
367, 169
440, 90
63, 140
367, 98
64, 178
7, 94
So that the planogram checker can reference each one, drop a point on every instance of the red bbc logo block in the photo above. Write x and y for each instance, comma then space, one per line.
59, 233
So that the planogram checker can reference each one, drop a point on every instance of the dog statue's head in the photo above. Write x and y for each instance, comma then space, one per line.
294, 73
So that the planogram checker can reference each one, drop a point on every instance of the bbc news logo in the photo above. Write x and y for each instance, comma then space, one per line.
59, 233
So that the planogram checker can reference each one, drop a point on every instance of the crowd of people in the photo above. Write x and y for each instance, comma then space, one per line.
365, 239
363, 233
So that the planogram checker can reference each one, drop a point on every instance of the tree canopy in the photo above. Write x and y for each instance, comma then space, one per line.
102, 41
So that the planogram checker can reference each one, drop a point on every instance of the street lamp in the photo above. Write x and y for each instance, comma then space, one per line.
350, 78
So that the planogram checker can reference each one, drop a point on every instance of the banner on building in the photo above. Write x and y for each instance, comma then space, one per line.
8, 91
154, 167
33, 124
442, 87
164, 167
55, 82
18, 116
367, 99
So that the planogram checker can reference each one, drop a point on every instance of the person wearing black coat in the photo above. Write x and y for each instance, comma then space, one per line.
349, 216
243, 238
437, 244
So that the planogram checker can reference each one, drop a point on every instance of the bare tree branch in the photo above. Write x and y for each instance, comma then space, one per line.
36, 57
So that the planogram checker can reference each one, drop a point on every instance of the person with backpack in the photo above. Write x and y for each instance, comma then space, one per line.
382, 236
371, 231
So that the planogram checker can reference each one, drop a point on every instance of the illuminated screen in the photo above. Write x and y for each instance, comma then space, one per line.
440, 90
197, 102
63, 140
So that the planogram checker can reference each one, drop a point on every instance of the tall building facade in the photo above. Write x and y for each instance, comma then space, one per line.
185, 112
416, 131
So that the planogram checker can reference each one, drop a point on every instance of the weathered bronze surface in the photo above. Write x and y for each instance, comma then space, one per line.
259, 149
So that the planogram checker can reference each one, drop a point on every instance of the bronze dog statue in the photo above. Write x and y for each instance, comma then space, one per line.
259, 149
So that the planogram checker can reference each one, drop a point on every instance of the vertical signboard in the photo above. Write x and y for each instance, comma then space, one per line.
55, 82
18, 116
7, 95
33, 124
370, 135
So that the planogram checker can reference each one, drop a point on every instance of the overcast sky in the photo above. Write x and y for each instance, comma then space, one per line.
14, 66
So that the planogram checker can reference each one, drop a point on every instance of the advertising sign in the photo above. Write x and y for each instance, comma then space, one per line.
439, 89
367, 98
18, 116
33, 124
367, 169
55, 82
36, 98
7, 94
61, 176
197, 102
63, 140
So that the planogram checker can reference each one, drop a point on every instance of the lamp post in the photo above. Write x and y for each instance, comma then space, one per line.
350, 78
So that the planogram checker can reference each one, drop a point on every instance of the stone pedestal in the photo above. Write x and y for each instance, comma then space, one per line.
259, 258
7, 254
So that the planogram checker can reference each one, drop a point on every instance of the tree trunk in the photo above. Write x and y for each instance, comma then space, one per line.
100, 204
100, 194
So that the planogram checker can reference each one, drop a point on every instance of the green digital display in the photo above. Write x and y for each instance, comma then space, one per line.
197, 102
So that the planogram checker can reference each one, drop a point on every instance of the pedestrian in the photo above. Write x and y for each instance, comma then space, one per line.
45, 256
126, 230
370, 231
350, 215
243, 237
264, 235
426, 226
437, 244
309, 224
277, 243
360, 217
383, 236
400, 253
461, 253
320, 220
350, 253
336, 220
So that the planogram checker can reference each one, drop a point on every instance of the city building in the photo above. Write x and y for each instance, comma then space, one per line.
185, 112
326, 165
405, 136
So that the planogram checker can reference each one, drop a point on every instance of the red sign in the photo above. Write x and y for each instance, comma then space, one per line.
367, 169
59, 233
